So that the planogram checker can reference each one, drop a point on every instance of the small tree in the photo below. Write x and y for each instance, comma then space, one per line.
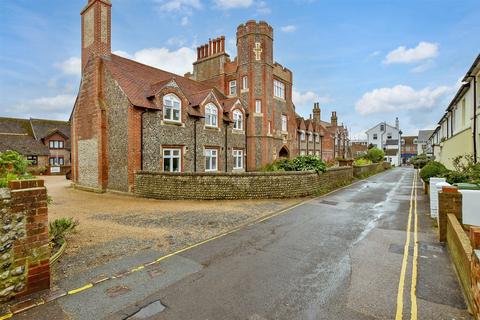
375, 155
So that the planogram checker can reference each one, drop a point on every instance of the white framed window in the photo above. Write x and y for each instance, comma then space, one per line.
317, 153
172, 160
279, 89
33, 160
389, 135
55, 144
237, 120
284, 123
310, 137
211, 159
232, 85
302, 152
382, 127
375, 136
302, 135
237, 159
310, 153
245, 82
258, 106
269, 127
211, 115
171, 108
56, 161
317, 137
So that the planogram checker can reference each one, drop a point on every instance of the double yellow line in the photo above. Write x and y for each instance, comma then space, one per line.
401, 285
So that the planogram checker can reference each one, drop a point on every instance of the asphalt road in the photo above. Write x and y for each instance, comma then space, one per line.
334, 257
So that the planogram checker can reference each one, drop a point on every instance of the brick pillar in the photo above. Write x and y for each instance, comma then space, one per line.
449, 202
25, 255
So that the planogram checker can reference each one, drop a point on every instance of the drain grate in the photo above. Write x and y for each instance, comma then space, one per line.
148, 311
332, 203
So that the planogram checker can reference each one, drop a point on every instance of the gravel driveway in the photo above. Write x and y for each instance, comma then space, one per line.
113, 225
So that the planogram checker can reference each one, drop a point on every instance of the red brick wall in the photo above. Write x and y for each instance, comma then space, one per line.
28, 255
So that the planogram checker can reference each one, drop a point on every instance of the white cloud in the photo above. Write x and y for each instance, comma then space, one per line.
423, 51
374, 53
185, 21
184, 6
71, 66
423, 67
62, 103
262, 7
233, 4
177, 61
289, 28
304, 101
400, 97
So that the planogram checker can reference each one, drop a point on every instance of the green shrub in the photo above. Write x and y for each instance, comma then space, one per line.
375, 155
60, 228
362, 162
300, 163
13, 166
420, 161
308, 163
432, 169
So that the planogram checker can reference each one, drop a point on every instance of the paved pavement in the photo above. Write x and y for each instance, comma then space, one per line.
334, 257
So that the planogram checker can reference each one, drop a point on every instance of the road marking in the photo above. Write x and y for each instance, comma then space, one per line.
401, 284
413, 288
247, 224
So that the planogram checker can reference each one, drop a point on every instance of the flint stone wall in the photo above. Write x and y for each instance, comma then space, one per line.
247, 185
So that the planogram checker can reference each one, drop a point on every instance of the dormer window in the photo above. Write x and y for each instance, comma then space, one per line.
302, 135
310, 137
237, 120
55, 144
171, 108
211, 115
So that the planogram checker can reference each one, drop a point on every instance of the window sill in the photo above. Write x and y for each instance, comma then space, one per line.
279, 99
238, 170
211, 128
244, 90
258, 114
238, 131
172, 122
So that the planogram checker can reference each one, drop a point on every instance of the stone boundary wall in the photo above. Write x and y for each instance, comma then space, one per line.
460, 249
247, 185
24, 243
369, 169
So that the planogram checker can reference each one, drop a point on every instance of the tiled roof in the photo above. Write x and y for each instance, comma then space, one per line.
139, 81
424, 135
24, 144
15, 126
43, 128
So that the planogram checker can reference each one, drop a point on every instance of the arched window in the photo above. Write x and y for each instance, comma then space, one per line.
211, 115
171, 108
237, 120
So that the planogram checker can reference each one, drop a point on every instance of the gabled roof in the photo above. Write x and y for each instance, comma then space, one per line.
44, 128
380, 123
424, 135
140, 82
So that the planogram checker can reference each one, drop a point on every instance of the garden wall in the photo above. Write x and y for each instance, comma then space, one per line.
247, 185
370, 169
24, 243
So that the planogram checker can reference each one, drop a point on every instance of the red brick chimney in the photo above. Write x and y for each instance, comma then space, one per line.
96, 30
213, 47
334, 119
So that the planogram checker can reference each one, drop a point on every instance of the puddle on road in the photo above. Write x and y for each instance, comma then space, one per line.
148, 311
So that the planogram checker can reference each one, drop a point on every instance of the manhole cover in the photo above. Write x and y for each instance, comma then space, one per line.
332, 203
148, 311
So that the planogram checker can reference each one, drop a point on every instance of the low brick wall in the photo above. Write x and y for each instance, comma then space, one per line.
248, 185
24, 243
370, 169
460, 250
449, 202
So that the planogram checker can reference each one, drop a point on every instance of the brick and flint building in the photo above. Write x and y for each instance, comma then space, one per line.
226, 116
45, 143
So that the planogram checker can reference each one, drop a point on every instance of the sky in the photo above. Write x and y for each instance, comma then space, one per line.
369, 60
